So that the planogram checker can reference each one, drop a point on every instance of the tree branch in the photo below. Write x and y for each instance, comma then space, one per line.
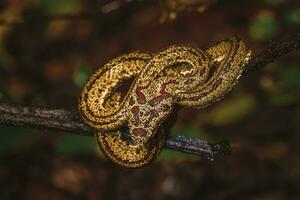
273, 51
70, 121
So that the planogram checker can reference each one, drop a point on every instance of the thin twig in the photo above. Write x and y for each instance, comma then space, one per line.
68, 121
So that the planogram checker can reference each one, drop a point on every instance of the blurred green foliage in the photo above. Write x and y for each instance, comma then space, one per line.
264, 26
58, 7
4, 95
232, 110
284, 86
81, 74
71, 144
293, 16
13, 138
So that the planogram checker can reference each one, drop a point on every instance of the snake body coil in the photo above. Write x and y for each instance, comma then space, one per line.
179, 74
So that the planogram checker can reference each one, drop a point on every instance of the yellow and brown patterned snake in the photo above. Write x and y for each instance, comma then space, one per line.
178, 75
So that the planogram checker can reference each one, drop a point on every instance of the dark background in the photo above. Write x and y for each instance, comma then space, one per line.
49, 48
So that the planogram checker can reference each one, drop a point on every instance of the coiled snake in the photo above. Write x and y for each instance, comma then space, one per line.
178, 75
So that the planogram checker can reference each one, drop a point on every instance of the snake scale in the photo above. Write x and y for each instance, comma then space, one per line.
178, 75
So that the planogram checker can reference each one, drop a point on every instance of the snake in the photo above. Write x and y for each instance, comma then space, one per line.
130, 126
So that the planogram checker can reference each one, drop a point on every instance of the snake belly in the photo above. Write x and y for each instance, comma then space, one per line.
178, 75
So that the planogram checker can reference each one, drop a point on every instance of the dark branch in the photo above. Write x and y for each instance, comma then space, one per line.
62, 120
68, 121
274, 51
